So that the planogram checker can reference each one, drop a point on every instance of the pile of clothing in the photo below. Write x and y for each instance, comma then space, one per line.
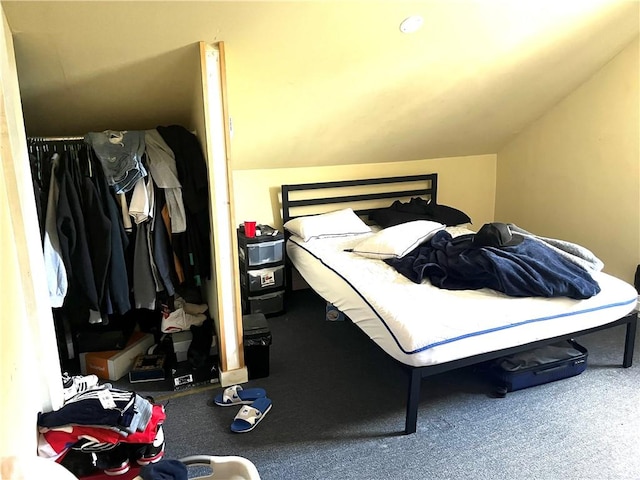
505, 258
101, 428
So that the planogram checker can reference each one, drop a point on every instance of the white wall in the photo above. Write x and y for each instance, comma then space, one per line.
575, 173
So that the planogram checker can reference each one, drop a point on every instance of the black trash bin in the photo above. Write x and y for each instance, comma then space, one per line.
257, 339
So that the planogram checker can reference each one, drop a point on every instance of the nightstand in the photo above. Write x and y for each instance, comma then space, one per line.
262, 272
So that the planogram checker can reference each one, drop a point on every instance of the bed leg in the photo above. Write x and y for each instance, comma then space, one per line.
413, 399
629, 341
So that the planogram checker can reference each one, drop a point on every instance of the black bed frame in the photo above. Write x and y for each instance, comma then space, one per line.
406, 188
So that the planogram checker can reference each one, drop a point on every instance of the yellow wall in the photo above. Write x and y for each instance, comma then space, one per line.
18, 412
575, 173
467, 183
29, 365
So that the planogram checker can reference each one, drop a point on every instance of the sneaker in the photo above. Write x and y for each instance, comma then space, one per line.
153, 452
179, 320
76, 384
119, 470
190, 308
113, 462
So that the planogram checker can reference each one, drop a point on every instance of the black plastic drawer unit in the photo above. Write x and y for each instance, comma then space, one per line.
262, 273
261, 250
262, 279
268, 303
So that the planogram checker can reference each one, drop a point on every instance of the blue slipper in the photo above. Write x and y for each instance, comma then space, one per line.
250, 415
236, 395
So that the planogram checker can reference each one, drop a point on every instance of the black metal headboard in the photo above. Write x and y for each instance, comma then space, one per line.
365, 192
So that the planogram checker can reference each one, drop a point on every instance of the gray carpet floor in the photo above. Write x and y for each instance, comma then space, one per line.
338, 413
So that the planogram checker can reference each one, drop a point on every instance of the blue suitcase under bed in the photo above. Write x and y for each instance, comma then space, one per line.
536, 367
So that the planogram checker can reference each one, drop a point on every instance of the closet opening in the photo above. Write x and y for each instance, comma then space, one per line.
125, 231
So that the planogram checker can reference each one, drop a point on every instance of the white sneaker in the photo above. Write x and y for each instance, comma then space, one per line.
77, 384
190, 308
179, 320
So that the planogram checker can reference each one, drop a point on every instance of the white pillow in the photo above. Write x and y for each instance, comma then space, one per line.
332, 224
397, 241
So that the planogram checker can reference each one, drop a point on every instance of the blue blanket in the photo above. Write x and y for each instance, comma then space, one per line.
529, 269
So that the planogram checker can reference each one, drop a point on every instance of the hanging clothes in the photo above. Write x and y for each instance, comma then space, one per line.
192, 246
98, 229
39, 190
144, 285
124, 211
162, 165
73, 239
162, 253
89, 196
57, 280
120, 153
141, 199
116, 297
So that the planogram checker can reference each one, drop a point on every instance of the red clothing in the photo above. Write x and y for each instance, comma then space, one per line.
67, 436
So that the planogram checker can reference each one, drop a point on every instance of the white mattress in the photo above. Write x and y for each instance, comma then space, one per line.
419, 324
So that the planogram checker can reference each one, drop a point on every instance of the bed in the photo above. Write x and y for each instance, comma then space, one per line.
431, 330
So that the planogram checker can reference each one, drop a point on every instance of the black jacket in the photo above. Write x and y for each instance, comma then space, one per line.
192, 246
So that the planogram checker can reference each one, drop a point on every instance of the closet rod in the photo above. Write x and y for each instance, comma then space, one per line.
55, 139
66, 139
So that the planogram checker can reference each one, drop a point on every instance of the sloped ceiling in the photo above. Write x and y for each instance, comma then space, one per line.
316, 82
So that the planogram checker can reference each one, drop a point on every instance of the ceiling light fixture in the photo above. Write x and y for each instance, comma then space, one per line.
411, 24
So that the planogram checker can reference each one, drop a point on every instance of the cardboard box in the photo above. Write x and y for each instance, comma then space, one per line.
181, 342
115, 364
147, 368
183, 375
